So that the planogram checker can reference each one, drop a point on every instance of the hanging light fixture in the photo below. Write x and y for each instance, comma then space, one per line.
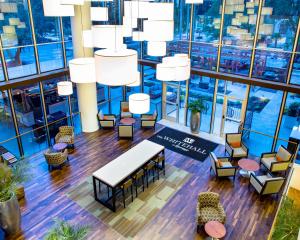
137, 81
139, 103
72, 2
107, 36
82, 70
193, 1
99, 13
53, 8
157, 48
64, 88
116, 67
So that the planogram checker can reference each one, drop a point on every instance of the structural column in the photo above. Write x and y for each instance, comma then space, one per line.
86, 92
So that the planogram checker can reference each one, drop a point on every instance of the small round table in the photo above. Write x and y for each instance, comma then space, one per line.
247, 166
127, 121
59, 147
215, 229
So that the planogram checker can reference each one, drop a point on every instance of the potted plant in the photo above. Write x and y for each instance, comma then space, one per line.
65, 231
196, 107
10, 217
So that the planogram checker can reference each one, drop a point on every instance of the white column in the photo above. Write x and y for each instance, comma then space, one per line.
87, 101
86, 92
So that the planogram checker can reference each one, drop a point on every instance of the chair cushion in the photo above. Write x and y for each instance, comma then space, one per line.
148, 117
101, 115
236, 144
239, 152
210, 214
108, 118
283, 154
65, 139
226, 164
268, 161
217, 163
262, 179
125, 114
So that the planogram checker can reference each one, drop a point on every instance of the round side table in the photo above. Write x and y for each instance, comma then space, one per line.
215, 229
247, 166
127, 121
59, 147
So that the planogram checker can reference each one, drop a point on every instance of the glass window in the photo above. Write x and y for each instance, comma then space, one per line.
6, 125
261, 116
295, 77
116, 96
50, 56
68, 38
202, 87
153, 87
29, 113
20, 62
205, 36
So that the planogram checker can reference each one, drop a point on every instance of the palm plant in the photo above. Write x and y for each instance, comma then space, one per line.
7, 183
65, 231
197, 106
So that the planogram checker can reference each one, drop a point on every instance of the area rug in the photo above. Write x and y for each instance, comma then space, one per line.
130, 220
184, 143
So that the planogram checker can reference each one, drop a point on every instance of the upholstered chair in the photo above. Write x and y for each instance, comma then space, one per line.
125, 110
266, 184
106, 120
235, 147
276, 161
65, 135
209, 208
125, 131
148, 120
221, 166
56, 159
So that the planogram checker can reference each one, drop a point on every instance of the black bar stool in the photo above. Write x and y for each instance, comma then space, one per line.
136, 177
125, 186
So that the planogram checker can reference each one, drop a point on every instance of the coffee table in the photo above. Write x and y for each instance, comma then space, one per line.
247, 166
59, 147
127, 121
215, 229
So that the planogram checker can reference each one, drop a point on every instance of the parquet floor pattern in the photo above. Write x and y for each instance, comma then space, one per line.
248, 216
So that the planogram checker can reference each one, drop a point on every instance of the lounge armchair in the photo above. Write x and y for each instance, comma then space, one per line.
266, 184
235, 147
209, 208
276, 161
125, 131
222, 167
107, 120
124, 110
148, 120
65, 135
56, 159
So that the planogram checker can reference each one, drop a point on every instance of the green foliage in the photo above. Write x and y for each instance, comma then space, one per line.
21, 172
288, 221
7, 183
198, 105
294, 109
65, 231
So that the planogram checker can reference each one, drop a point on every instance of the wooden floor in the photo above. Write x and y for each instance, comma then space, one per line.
248, 217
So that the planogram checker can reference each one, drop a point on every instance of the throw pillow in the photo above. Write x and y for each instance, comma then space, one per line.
101, 115
220, 163
235, 144
125, 109
217, 163
279, 159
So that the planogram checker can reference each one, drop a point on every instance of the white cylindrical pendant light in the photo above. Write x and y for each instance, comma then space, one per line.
136, 9
165, 72
193, 1
72, 2
157, 49
137, 81
116, 67
53, 8
160, 11
107, 36
158, 31
99, 13
139, 103
82, 70
88, 38
182, 73
64, 88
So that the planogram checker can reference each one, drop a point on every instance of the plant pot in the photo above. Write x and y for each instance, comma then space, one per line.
195, 122
20, 193
10, 215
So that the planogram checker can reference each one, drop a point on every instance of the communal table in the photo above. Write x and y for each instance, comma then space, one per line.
114, 173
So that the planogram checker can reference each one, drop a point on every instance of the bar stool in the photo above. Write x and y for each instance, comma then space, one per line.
125, 186
149, 167
160, 160
136, 177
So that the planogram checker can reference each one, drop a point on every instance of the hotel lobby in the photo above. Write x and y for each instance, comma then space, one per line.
145, 119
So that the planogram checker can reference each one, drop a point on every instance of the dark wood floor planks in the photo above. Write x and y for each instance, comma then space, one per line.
248, 217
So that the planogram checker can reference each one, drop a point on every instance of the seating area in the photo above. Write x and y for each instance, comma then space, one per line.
150, 120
